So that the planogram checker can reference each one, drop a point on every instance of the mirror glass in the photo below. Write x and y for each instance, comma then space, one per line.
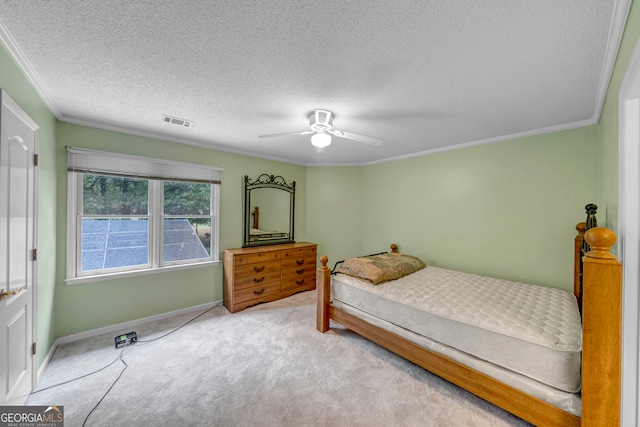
269, 203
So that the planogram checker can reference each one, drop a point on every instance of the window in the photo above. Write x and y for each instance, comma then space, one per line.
134, 215
113, 223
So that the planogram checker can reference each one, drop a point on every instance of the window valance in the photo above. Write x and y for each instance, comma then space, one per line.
81, 160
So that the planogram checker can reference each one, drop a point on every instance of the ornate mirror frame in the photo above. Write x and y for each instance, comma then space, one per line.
278, 210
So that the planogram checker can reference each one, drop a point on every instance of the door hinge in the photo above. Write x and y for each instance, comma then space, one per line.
33, 349
34, 254
35, 160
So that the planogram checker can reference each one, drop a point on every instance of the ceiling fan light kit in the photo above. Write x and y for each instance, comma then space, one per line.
321, 126
321, 139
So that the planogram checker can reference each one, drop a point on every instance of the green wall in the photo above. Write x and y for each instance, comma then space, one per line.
335, 211
20, 90
506, 209
93, 305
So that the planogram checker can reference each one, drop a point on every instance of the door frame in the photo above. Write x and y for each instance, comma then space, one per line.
629, 234
35, 128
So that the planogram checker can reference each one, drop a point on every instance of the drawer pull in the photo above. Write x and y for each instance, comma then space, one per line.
300, 261
299, 282
300, 271
260, 292
256, 280
258, 269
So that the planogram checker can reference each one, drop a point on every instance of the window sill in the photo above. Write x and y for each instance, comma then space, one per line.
125, 274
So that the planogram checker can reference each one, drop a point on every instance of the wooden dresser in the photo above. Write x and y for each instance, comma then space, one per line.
266, 273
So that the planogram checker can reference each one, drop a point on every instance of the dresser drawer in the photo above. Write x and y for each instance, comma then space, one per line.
306, 258
298, 252
293, 271
304, 280
257, 280
256, 270
257, 257
242, 295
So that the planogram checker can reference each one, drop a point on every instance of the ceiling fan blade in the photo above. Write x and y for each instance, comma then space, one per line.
356, 137
304, 132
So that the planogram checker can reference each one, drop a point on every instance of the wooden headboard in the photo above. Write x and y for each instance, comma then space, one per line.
577, 262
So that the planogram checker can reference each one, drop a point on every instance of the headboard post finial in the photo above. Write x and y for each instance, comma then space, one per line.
394, 248
591, 222
324, 260
591, 210
581, 227
600, 240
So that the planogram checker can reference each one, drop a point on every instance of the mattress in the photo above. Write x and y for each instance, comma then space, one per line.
531, 330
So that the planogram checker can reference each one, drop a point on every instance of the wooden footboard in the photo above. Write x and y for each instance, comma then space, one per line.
601, 346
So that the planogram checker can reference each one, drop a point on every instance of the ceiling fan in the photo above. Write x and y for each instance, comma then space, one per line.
321, 126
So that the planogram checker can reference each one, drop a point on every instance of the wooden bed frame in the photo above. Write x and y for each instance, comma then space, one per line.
601, 296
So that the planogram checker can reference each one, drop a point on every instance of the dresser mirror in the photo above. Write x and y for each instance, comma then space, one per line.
269, 204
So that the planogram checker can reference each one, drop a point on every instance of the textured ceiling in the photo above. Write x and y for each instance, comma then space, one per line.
422, 75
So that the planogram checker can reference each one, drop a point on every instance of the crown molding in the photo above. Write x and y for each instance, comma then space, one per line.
512, 136
163, 137
616, 31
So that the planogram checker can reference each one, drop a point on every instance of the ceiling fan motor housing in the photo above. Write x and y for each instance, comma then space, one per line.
321, 120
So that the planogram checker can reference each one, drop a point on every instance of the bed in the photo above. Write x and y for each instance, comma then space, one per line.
557, 363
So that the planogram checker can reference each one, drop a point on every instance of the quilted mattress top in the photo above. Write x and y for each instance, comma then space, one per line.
543, 316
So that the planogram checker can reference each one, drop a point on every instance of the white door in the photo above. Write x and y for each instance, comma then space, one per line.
629, 235
18, 145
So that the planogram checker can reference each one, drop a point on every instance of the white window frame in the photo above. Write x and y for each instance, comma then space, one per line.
156, 171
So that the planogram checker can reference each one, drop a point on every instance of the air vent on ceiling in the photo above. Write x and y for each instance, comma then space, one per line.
176, 121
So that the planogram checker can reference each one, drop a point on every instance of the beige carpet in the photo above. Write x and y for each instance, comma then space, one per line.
265, 366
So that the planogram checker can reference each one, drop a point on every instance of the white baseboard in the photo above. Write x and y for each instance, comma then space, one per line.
118, 328
46, 361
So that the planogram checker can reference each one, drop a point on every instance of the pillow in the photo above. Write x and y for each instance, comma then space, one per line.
376, 269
